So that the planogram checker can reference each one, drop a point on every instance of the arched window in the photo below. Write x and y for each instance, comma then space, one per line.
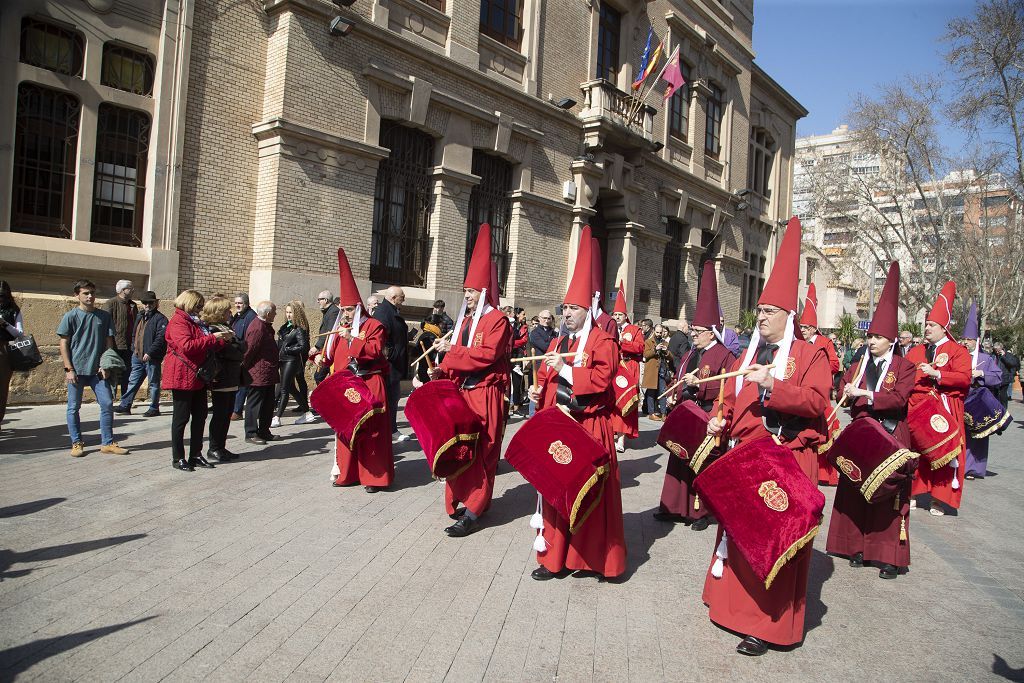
490, 202
127, 69
45, 154
122, 149
52, 47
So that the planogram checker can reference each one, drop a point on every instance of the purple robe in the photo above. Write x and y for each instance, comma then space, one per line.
977, 449
731, 340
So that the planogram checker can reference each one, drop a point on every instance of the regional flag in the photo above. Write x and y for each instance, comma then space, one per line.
673, 75
648, 62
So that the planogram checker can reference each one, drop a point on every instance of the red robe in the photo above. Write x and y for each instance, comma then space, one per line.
373, 462
608, 324
739, 601
827, 473
874, 529
631, 354
953, 384
677, 494
485, 362
600, 544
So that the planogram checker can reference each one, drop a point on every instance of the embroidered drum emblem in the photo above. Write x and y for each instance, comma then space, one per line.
478, 339
561, 453
583, 359
849, 468
773, 496
627, 336
941, 360
790, 368
705, 371
621, 382
674, 448
352, 395
890, 378
939, 424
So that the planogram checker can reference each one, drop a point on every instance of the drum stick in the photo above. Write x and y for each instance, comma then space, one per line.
721, 408
330, 332
726, 375
842, 401
536, 358
424, 354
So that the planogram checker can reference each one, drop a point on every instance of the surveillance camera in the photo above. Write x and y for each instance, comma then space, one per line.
340, 27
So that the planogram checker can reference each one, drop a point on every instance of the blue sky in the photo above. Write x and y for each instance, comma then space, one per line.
825, 51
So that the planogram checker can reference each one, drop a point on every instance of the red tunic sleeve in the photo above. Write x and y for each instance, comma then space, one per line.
495, 344
956, 374
634, 346
368, 348
597, 375
808, 395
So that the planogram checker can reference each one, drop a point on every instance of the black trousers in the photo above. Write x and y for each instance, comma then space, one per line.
220, 419
126, 356
185, 406
393, 391
259, 408
293, 383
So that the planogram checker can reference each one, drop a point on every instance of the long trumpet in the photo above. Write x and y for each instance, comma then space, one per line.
715, 378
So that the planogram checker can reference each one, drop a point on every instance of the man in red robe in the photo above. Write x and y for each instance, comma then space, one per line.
877, 388
787, 401
477, 359
583, 383
944, 369
358, 345
827, 474
631, 354
706, 357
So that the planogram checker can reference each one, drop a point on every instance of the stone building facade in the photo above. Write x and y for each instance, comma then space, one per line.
229, 146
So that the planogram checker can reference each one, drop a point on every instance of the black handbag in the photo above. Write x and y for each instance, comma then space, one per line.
23, 354
207, 372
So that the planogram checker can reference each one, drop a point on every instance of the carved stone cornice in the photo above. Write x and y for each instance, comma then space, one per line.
279, 136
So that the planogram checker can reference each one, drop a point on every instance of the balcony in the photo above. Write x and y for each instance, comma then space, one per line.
611, 117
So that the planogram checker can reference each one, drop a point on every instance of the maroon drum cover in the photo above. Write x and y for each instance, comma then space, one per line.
565, 463
872, 459
934, 433
345, 403
765, 503
627, 390
685, 434
447, 428
984, 415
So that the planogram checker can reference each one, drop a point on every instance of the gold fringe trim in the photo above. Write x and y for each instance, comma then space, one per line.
788, 555
882, 472
823, 448
630, 406
946, 459
696, 502
448, 444
362, 420
576, 519
985, 433
696, 461
956, 433
903, 529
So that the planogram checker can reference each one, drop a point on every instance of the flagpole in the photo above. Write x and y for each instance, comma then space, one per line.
641, 99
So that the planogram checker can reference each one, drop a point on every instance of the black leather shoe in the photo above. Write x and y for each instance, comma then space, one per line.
200, 461
463, 527
701, 524
213, 454
371, 489
122, 411
184, 466
752, 647
458, 513
543, 574
257, 440
269, 437
151, 413
888, 571
226, 455
857, 560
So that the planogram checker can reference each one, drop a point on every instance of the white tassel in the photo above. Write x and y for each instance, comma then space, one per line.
721, 554
539, 544
537, 521
335, 471
956, 483
955, 465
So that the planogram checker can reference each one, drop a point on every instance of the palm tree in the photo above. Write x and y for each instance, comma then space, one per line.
847, 329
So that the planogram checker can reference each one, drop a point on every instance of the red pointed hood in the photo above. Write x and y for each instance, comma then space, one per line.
942, 310
781, 288
478, 275
348, 293
885, 321
810, 314
620, 301
707, 313
580, 291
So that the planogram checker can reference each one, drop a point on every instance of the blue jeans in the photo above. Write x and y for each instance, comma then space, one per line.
651, 401
240, 399
104, 397
141, 369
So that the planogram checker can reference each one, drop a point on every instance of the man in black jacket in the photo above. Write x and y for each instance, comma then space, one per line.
240, 321
396, 348
148, 349
330, 316
1010, 365
679, 342
541, 337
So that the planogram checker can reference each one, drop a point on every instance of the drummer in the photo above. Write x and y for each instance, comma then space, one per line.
787, 401
631, 353
943, 368
478, 361
583, 384
358, 346
878, 387
707, 356
827, 474
985, 372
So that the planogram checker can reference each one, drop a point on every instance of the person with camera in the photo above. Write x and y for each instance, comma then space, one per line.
659, 366
189, 345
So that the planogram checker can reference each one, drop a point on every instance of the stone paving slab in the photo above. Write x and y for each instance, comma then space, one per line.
121, 568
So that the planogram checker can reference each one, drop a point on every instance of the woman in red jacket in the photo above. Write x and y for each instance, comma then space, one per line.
189, 342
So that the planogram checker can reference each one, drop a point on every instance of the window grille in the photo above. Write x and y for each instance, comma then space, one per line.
122, 148
490, 202
51, 47
127, 69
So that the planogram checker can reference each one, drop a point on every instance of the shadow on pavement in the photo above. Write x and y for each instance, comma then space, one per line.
8, 558
1001, 668
411, 473
630, 469
29, 508
16, 659
515, 504
638, 546
822, 568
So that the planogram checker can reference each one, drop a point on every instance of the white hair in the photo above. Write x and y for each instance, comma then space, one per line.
122, 285
264, 308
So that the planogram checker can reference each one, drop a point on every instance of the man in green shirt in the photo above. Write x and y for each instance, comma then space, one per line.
85, 333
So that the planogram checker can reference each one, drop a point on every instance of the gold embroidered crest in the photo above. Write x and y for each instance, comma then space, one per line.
939, 424
560, 453
790, 368
478, 340
352, 395
849, 468
362, 334
890, 379
674, 448
627, 336
941, 360
705, 371
773, 496
583, 359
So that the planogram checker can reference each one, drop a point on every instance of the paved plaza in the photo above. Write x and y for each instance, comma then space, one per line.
122, 568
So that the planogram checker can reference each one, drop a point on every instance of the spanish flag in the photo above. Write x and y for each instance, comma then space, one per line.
648, 62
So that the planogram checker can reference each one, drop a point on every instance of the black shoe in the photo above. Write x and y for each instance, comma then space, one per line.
184, 466
751, 646
200, 461
463, 527
269, 437
123, 411
888, 571
543, 574
701, 524
371, 489
151, 413
458, 513
213, 454
857, 560
226, 455
257, 440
